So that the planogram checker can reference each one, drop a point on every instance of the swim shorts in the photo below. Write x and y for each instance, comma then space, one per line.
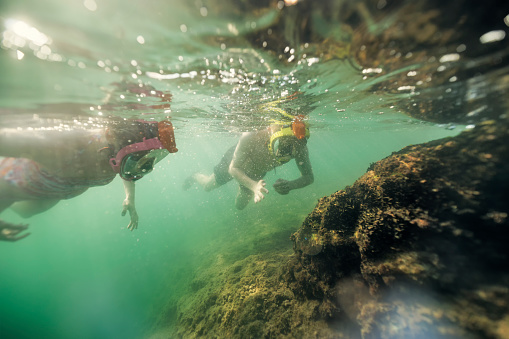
221, 170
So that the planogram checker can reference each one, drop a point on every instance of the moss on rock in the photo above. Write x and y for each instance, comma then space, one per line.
423, 234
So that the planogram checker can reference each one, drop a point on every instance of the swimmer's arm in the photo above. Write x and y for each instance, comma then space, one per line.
239, 157
283, 186
129, 205
305, 169
246, 142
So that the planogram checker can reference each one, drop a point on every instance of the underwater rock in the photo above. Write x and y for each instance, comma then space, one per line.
417, 247
248, 299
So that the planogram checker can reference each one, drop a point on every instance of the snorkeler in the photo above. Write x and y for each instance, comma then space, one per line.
255, 154
44, 166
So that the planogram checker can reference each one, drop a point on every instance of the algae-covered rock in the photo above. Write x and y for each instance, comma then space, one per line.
417, 247
247, 299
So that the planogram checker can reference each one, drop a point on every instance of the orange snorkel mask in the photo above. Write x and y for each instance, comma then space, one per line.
296, 128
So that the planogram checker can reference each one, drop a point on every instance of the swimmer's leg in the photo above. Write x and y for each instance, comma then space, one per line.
28, 208
207, 182
4, 204
8, 231
7, 190
243, 197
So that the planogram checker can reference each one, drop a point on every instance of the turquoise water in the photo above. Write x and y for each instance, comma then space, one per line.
81, 273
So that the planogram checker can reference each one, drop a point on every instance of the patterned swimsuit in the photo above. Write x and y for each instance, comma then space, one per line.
28, 176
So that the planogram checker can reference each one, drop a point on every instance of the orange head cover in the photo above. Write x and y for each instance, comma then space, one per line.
299, 127
167, 136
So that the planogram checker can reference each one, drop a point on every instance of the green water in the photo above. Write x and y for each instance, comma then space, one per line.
81, 273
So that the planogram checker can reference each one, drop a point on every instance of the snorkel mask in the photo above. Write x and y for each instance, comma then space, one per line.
297, 128
134, 161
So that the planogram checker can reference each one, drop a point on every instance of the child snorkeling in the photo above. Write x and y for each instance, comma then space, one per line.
258, 152
43, 166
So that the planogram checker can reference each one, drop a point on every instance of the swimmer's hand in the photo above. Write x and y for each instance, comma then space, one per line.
9, 232
282, 186
128, 205
258, 191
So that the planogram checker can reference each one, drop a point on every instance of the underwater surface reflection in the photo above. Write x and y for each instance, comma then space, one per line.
387, 241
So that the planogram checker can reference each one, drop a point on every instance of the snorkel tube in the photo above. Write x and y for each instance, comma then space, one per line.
291, 125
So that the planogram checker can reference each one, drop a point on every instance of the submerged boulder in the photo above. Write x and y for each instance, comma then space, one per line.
417, 247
